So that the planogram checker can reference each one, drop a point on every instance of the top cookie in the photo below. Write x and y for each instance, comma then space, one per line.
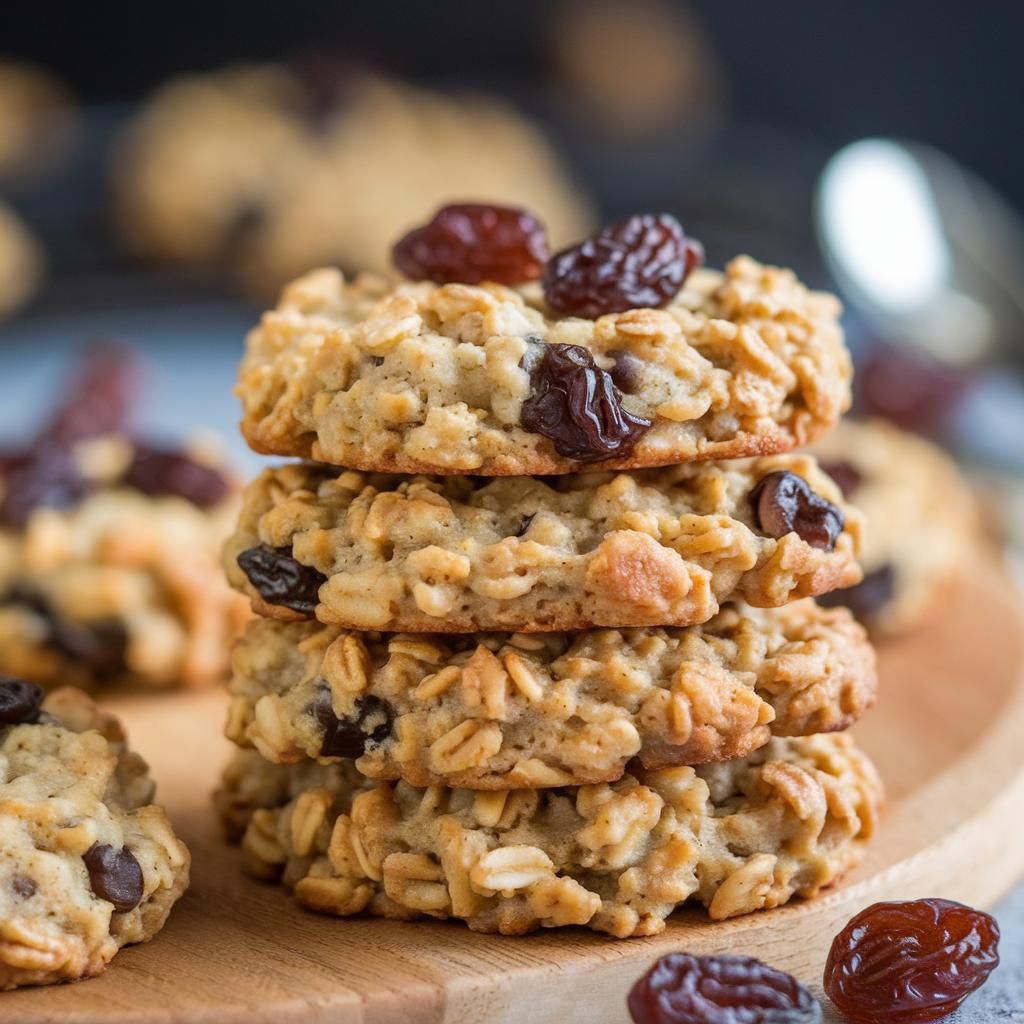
491, 380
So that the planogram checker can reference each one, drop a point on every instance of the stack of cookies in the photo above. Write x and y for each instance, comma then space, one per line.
536, 641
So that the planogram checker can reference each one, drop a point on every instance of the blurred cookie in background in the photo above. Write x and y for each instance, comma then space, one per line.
922, 521
266, 171
110, 547
633, 66
21, 263
37, 122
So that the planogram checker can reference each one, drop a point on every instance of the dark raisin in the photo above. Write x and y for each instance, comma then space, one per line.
99, 399
847, 476
642, 261
910, 963
23, 886
115, 875
525, 524
241, 230
867, 598
474, 242
158, 471
576, 405
19, 701
626, 372
282, 580
48, 477
783, 502
328, 80
349, 737
685, 989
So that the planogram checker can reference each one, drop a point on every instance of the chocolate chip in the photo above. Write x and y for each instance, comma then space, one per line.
349, 737
282, 580
19, 701
115, 875
847, 476
783, 502
161, 471
576, 405
525, 524
626, 372
23, 886
867, 598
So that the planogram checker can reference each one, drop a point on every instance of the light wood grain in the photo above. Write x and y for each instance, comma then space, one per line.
948, 736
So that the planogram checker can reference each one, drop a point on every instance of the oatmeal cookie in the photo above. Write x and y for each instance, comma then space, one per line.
37, 125
618, 857
922, 521
266, 171
513, 711
88, 863
458, 554
425, 379
21, 262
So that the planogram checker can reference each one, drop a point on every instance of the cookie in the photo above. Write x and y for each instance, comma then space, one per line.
456, 554
37, 125
617, 857
501, 711
252, 170
89, 864
419, 378
21, 263
922, 521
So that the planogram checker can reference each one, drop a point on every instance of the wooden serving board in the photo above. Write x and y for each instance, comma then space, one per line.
948, 736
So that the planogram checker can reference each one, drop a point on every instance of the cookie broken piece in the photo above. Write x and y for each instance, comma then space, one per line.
87, 863
736, 837
511, 711
425, 379
449, 554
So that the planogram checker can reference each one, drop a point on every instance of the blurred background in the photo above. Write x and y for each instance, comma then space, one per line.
164, 169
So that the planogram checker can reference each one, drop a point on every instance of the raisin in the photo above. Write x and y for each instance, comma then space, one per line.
685, 989
867, 598
575, 404
847, 476
642, 261
282, 580
625, 373
158, 471
349, 737
19, 701
474, 242
783, 502
525, 524
114, 875
99, 398
48, 477
910, 963
23, 886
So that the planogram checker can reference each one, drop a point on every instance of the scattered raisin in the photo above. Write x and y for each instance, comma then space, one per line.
625, 373
576, 405
115, 876
99, 398
19, 701
867, 598
349, 737
783, 502
158, 471
282, 580
847, 476
910, 963
525, 524
474, 242
23, 886
685, 989
641, 261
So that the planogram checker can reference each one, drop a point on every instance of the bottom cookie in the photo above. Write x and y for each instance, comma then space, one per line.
617, 857
87, 863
